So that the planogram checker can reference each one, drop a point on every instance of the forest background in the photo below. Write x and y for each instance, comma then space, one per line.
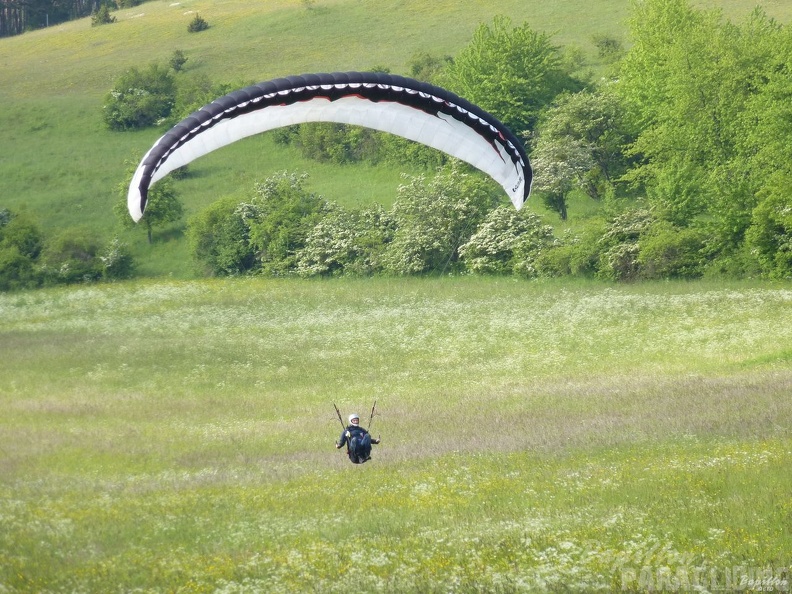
658, 131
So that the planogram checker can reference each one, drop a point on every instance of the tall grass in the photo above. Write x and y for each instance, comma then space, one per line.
178, 436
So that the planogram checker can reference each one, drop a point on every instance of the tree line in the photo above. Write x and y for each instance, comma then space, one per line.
18, 16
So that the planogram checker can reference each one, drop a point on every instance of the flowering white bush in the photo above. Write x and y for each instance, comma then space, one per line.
433, 219
507, 241
345, 242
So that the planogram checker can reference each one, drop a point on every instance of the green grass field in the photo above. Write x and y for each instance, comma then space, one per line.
178, 436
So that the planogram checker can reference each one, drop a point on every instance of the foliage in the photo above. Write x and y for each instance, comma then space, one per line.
434, 218
116, 260
507, 242
177, 60
219, 239
263, 234
702, 103
638, 245
197, 24
29, 258
102, 16
162, 206
346, 242
428, 68
71, 256
560, 164
332, 143
282, 229
693, 85
140, 98
769, 237
327, 142
20, 245
193, 91
609, 48
666, 252
511, 72
573, 253
281, 214
619, 248
590, 126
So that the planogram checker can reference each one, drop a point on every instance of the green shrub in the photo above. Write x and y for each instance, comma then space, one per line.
609, 48
72, 256
507, 242
20, 245
116, 261
140, 98
177, 60
281, 215
17, 270
667, 252
102, 16
434, 219
219, 239
618, 246
769, 238
197, 24
346, 242
21, 232
265, 233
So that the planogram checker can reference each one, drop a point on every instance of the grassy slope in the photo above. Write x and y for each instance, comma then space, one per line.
58, 161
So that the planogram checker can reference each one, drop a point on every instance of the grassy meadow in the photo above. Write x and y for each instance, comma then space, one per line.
177, 436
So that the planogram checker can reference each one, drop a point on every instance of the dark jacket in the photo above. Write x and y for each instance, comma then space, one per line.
353, 431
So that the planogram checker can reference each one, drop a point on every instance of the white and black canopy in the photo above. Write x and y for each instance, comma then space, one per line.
396, 104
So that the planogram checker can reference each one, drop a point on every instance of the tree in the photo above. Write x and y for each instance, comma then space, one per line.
21, 242
511, 72
609, 48
507, 242
710, 101
177, 60
72, 255
591, 121
560, 164
426, 67
346, 242
434, 218
281, 215
197, 24
667, 252
769, 237
163, 207
140, 98
619, 247
116, 261
219, 238
102, 16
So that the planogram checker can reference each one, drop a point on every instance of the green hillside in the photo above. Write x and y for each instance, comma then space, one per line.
58, 160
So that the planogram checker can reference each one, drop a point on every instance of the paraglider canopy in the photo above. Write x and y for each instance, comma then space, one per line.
414, 110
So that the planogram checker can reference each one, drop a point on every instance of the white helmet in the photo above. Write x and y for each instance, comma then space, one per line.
354, 417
